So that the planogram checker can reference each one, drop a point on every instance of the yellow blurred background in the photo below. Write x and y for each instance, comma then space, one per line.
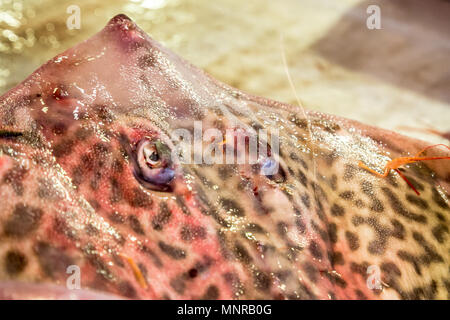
396, 76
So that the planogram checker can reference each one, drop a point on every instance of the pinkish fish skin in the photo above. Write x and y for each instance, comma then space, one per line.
73, 192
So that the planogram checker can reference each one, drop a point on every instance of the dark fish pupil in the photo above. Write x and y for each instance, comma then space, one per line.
154, 156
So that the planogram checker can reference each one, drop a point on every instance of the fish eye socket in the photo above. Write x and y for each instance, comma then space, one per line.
150, 154
153, 166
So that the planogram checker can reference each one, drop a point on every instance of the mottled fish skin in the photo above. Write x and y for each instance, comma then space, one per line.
69, 196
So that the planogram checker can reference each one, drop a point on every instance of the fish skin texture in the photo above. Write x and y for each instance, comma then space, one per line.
69, 195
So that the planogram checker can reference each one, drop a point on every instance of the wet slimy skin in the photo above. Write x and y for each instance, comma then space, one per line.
85, 180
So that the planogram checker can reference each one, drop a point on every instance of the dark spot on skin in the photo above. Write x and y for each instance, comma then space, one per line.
337, 258
333, 182
430, 254
390, 272
359, 203
377, 205
319, 192
147, 60
360, 295
139, 199
117, 166
101, 149
302, 178
59, 128
399, 230
95, 180
235, 283
14, 178
97, 262
60, 227
306, 200
91, 230
352, 240
136, 225
162, 217
14, 262
332, 232
319, 210
51, 259
126, 289
116, 191
172, 251
225, 171
212, 293
347, 195
303, 293
117, 260
415, 200
23, 220
398, 207
262, 281
357, 220
337, 210
439, 232
156, 260
190, 233
63, 148
311, 271
440, 217
367, 188
282, 228
46, 190
232, 207
82, 133
315, 250
178, 284
405, 256
116, 218
300, 225
104, 113
182, 205
349, 172
253, 227
241, 253
360, 269
438, 199
294, 156
77, 175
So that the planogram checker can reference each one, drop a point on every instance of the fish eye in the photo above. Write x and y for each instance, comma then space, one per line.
153, 166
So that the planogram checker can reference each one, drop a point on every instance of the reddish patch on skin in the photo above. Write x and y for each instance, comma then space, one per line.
137, 134
4, 164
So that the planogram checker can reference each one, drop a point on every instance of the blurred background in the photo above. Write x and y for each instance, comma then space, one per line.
391, 77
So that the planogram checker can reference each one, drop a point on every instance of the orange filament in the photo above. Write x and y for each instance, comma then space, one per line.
136, 271
395, 163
